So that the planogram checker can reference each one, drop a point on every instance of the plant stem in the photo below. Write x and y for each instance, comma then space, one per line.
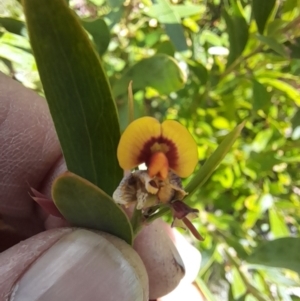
160, 213
136, 221
250, 288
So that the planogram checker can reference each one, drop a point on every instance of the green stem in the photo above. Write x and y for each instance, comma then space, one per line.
136, 221
160, 213
250, 288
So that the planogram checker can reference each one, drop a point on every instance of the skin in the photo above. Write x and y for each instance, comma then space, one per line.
30, 156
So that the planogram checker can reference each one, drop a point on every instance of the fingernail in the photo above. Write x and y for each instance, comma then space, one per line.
84, 265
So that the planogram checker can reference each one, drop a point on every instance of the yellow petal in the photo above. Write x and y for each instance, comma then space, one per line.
183, 155
132, 149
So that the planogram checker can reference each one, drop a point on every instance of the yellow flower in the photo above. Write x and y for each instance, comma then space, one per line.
162, 147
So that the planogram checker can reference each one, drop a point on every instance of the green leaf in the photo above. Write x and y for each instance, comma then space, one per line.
213, 161
24, 59
188, 10
237, 285
261, 96
77, 92
160, 72
13, 25
274, 45
205, 290
115, 3
281, 253
15, 40
277, 224
86, 205
165, 13
166, 47
296, 120
284, 87
237, 29
199, 70
100, 33
261, 11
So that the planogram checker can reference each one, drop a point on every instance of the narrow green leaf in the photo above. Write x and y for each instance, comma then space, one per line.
237, 284
188, 10
280, 253
205, 290
85, 205
13, 25
284, 87
24, 59
294, 48
261, 96
165, 13
15, 40
166, 47
213, 161
274, 45
99, 31
277, 224
77, 91
115, 3
237, 29
261, 11
160, 72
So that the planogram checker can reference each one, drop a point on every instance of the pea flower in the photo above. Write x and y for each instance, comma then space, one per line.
170, 153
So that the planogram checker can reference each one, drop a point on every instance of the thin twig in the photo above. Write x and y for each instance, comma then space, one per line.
250, 288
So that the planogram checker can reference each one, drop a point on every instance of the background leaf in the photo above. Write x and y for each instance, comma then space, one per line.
273, 44
238, 35
281, 253
89, 133
165, 13
261, 97
262, 10
213, 161
99, 31
86, 205
160, 72
260, 175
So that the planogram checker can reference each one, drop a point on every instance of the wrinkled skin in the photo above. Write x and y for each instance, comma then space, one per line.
30, 156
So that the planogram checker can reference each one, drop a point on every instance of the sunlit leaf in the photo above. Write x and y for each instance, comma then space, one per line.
281, 253
277, 224
86, 205
262, 10
187, 10
15, 40
16, 55
77, 92
284, 87
213, 161
205, 290
237, 285
237, 29
274, 45
115, 3
261, 97
167, 15
160, 72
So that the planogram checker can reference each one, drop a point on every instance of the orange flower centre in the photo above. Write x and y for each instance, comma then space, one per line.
158, 165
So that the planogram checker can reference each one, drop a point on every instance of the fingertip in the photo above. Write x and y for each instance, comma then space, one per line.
80, 265
163, 263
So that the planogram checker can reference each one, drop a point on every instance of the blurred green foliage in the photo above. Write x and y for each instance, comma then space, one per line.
209, 64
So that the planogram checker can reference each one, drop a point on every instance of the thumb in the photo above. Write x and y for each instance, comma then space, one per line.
72, 264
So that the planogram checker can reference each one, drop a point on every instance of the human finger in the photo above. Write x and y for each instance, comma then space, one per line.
72, 264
